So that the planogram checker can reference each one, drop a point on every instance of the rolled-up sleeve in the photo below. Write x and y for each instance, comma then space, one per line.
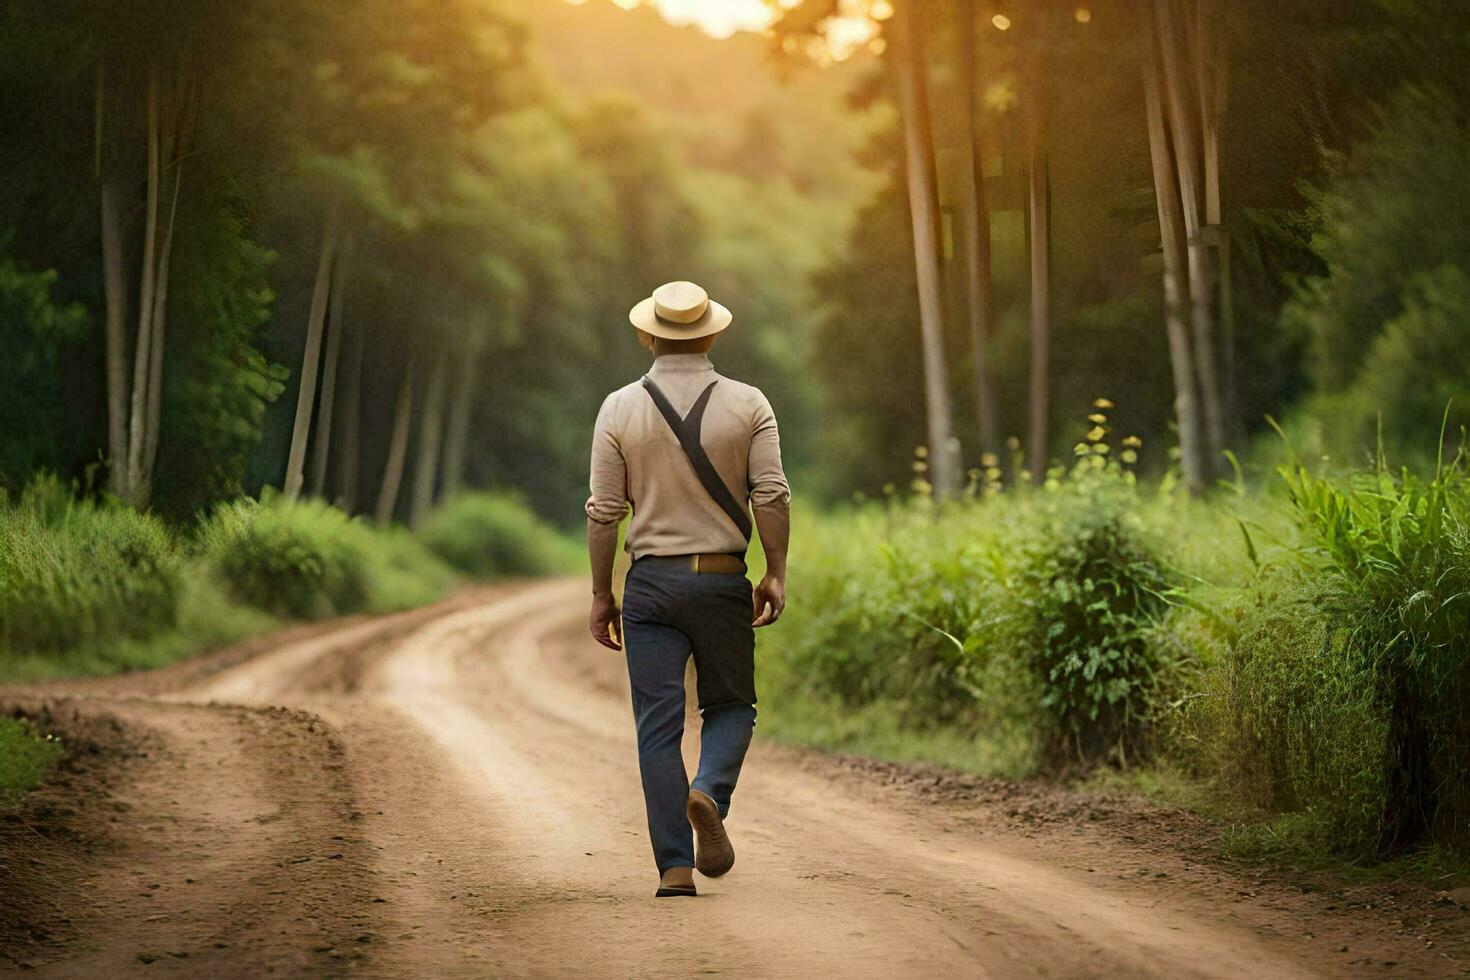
609, 500
768, 487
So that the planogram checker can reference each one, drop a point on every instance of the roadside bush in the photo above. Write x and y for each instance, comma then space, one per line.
1395, 550
1328, 710
1027, 615
1096, 593
307, 559
492, 535
79, 574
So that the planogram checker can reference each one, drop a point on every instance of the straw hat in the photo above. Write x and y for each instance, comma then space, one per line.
680, 311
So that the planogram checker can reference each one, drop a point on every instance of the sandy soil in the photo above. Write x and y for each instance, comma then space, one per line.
453, 792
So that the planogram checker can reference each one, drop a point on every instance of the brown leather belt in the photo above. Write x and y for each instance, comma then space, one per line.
716, 563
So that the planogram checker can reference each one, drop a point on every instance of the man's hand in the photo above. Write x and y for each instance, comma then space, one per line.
604, 622
770, 600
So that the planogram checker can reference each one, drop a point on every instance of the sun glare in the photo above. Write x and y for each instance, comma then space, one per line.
850, 29
719, 18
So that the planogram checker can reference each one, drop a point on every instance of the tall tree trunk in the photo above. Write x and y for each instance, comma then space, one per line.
142, 356
1185, 128
114, 288
908, 54
351, 413
153, 421
1039, 199
457, 429
1211, 67
975, 228
431, 437
311, 360
397, 449
1171, 230
322, 447
115, 297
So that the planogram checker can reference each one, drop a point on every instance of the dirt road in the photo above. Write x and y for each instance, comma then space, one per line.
453, 792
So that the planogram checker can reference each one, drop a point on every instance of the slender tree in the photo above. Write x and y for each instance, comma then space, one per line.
457, 427
907, 47
350, 446
322, 444
974, 214
397, 449
135, 407
1039, 205
310, 358
431, 437
1186, 131
1171, 229
1210, 70
115, 297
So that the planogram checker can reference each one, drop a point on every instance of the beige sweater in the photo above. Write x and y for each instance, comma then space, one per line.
637, 461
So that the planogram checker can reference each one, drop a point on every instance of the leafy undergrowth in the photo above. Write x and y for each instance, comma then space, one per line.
25, 757
93, 587
497, 535
1292, 661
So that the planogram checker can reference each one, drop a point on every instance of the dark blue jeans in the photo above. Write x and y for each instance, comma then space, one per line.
669, 613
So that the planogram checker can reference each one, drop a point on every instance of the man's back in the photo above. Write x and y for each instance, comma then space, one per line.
637, 460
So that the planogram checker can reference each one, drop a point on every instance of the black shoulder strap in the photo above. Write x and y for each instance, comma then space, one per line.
686, 429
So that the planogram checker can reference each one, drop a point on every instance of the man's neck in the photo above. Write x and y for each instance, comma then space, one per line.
681, 363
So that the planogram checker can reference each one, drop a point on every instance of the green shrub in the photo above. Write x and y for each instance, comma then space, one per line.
80, 574
1096, 593
1395, 550
1287, 719
491, 535
901, 638
307, 559
1024, 617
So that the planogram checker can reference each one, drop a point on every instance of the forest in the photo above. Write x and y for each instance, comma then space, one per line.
1118, 347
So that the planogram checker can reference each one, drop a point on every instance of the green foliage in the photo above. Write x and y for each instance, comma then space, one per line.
1302, 654
1023, 619
81, 574
217, 382
307, 559
25, 757
1385, 319
495, 535
38, 333
1095, 593
91, 587
1417, 365
1395, 549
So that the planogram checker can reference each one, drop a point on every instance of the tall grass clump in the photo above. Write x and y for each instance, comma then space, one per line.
1396, 555
494, 535
78, 574
1330, 693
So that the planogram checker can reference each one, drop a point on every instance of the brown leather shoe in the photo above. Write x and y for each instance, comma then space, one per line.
714, 854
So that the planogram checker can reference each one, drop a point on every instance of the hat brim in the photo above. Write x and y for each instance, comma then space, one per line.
715, 319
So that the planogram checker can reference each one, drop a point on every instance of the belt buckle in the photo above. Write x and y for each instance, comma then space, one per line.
696, 564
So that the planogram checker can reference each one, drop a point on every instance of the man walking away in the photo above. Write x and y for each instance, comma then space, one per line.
693, 453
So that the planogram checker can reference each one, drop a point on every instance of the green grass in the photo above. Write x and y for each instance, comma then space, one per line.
1289, 660
91, 587
25, 758
496, 535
